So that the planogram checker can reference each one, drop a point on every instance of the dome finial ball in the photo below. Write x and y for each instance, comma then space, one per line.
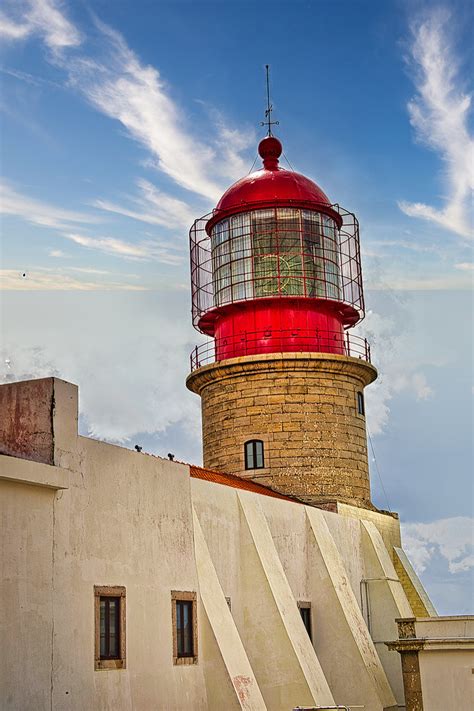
270, 149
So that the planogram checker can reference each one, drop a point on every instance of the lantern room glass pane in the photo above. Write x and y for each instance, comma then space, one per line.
275, 252
291, 280
331, 259
313, 253
265, 252
241, 250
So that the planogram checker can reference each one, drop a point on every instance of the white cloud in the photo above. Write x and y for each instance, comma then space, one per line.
124, 89
400, 368
40, 17
154, 207
392, 281
439, 114
117, 84
413, 245
465, 266
46, 215
150, 250
451, 538
128, 352
38, 212
88, 270
13, 30
56, 280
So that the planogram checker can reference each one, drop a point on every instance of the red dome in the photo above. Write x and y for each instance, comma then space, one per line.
271, 185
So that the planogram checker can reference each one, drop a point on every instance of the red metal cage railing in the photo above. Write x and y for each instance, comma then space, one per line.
284, 341
275, 251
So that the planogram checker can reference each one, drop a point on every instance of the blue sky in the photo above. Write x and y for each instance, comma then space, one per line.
123, 121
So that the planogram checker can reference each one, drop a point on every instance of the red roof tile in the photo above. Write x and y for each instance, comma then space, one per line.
235, 482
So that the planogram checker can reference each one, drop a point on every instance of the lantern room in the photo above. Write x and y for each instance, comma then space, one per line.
276, 267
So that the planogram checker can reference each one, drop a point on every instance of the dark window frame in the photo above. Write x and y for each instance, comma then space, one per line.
109, 633
179, 600
305, 612
360, 403
184, 633
254, 454
107, 593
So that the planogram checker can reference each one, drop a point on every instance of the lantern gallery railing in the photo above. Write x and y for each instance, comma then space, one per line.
273, 341
276, 252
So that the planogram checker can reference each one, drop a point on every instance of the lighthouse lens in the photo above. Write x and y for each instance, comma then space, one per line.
275, 252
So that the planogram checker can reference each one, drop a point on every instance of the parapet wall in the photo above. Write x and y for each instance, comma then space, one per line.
26, 423
38, 419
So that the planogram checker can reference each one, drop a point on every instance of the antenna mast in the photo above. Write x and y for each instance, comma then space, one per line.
268, 113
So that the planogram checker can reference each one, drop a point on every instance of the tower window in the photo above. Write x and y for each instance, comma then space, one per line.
184, 627
109, 627
360, 403
305, 612
254, 454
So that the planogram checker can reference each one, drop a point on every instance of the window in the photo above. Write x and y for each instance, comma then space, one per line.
360, 403
305, 612
109, 627
184, 621
254, 454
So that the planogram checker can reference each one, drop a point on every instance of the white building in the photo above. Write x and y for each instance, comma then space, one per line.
84, 521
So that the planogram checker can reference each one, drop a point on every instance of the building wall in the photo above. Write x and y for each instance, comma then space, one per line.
122, 518
446, 662
438, 661
314, 567
446, 679
108, 516
126, 520
304, 409
26, 617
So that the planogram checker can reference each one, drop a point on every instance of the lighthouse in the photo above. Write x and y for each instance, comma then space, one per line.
277, 286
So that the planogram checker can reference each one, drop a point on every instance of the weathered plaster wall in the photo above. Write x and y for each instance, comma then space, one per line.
109, 516
26, 426
124, 519
437, 655
384, 601
446, 662
26, 617
314, 566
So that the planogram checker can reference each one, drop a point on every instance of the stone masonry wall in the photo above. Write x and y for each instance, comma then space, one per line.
304, 408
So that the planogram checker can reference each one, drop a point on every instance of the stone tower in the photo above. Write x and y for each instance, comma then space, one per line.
277, 283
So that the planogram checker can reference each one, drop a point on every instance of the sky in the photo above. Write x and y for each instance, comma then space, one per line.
123, 121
